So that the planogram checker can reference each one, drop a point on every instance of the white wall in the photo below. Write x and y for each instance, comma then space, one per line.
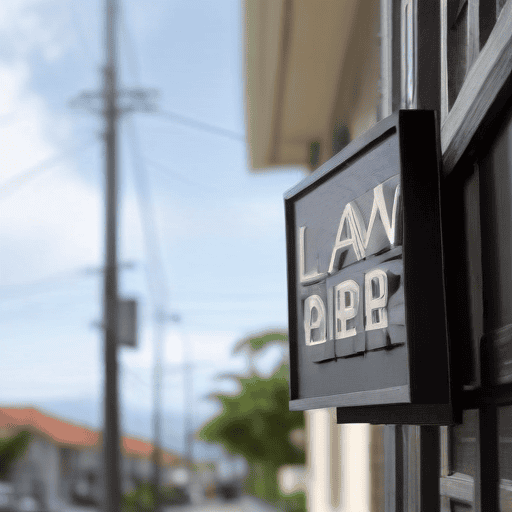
348, 478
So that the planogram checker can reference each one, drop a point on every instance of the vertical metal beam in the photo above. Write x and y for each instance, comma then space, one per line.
111, 417
411, 458
408, 62
386, 56
488, 491
393, 469
444, 60
428, 55
421, 55
421, 89
390, 73
421, 471
429, 468
473, 32
421, 468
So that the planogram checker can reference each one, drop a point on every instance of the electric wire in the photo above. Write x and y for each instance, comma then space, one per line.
56, 309
80, 32
131, 53
157, 281
200, 125
63, 278
127, 371
167, 173
173, 116
11, 185
141, 180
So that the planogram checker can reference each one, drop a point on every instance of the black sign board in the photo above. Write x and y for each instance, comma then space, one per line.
367, 321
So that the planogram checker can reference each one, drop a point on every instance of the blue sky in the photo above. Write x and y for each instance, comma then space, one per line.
221, 228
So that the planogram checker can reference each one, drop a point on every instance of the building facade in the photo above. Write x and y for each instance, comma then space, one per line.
63, 463
319, 74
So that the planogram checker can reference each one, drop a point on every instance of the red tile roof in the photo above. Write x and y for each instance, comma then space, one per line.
62, 432
132, 446
66, 433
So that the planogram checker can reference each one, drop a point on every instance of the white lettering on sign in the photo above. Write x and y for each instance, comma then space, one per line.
314, 276
314, 320
346, 305
352, 231
344, 299
376, 299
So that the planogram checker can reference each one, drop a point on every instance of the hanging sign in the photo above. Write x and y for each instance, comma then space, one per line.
127, 322
367, 321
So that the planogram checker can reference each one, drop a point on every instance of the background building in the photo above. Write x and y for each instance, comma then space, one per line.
62, 465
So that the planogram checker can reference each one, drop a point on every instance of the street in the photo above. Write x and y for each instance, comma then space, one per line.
244, 504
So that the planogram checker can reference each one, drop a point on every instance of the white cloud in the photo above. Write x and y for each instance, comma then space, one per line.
25, 129
214, 347
48, 222
251, 219
49, 228
14, 78
56, 224
33, 26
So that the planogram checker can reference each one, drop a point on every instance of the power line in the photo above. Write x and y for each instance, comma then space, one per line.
173, 116
76, 273
135, 68
55, 308
155, 274
158, 288
24, 177
132, 373
168, 173
200, 125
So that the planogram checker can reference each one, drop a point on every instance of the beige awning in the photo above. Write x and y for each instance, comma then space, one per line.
296, 54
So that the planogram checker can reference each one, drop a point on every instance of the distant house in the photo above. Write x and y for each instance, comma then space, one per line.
63, 463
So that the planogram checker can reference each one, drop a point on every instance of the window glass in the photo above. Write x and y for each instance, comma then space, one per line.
464, 444
460, 507
505, 457
499, 6
457, 47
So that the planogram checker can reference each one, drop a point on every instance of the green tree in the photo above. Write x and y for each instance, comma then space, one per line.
256, 423
11, 449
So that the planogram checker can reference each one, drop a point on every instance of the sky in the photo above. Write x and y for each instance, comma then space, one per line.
220, 227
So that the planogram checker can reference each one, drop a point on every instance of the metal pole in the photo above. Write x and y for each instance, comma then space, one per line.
189, 402
111, 415
157, 392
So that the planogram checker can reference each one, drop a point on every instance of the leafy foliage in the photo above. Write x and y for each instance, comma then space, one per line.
12, 448
295, 502
256, 423
257, 343
142, 498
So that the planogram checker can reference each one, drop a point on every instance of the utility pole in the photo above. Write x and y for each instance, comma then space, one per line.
111, 413
110, 103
